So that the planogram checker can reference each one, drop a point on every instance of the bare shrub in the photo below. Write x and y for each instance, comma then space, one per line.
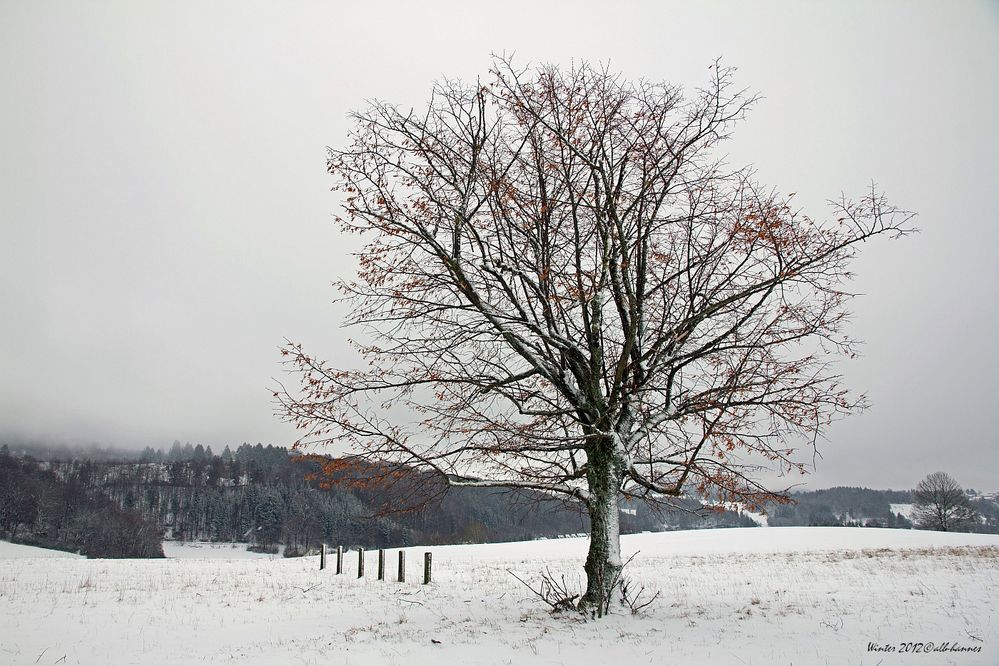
631, 596
559, 596
555, 592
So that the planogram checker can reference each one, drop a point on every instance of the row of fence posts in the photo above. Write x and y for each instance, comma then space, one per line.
428, 560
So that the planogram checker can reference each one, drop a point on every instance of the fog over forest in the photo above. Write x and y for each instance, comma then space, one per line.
166, 212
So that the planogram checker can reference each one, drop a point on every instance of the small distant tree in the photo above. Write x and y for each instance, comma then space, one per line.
235, 473
216, 472
176, 453
573, 293
178, 473
940, 503
269, 518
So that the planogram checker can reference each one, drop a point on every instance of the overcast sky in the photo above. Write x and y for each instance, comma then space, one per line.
166, 215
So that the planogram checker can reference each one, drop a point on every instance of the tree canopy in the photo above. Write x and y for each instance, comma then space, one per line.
940, 503
576, 294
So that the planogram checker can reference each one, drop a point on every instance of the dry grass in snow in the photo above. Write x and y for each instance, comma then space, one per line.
750, 596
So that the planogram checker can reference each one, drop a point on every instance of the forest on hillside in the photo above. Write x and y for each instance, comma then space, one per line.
114, 505
263, 496
39, 507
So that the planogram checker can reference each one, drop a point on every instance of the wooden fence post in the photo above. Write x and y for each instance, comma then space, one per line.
381, 564
427, 565
402, 566
360, 563
322, 557
339, 560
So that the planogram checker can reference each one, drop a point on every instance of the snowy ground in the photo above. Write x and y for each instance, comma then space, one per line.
904, 509
15, 551
199, 550
743, 596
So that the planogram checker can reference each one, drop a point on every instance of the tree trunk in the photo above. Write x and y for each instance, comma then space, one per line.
603, 561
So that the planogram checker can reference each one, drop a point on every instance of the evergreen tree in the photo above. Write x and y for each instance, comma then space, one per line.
269, 518
176, 452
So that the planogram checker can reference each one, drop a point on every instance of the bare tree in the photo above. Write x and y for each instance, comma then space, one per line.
940, 504
565, 290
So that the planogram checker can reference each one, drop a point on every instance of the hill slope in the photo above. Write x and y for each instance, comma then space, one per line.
753, 596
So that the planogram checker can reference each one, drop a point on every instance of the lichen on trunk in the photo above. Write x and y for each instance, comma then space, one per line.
603, 560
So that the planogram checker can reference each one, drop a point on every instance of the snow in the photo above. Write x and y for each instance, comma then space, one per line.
16, 551
740, 596
204, 550
904, 509
758, 518
735, 540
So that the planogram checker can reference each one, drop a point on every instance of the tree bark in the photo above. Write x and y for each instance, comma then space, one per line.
603, 561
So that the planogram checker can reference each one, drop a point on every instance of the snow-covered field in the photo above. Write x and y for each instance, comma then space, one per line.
761, 596
904, 509
189, 550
